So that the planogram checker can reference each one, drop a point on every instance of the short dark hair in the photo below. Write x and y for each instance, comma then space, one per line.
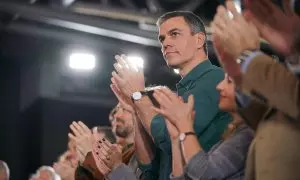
195, 23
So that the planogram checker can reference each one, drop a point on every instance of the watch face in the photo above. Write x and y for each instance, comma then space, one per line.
137, 95
181, 136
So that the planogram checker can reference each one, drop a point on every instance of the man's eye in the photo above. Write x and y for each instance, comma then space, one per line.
173, 34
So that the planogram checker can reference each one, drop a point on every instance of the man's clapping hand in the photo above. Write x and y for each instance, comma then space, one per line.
127, 77
107, 156
83, 138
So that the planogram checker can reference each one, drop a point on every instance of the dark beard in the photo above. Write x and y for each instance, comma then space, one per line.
122, 132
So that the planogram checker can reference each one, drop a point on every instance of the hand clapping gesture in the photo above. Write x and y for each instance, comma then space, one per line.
235, 34
83, 138
127, 77
280, 28
124, 101
231, 37
176, 112
107, 156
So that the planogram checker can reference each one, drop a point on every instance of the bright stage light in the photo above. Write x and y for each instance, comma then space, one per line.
82, 61
176, 71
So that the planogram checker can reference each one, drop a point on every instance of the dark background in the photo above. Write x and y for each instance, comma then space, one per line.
40, 96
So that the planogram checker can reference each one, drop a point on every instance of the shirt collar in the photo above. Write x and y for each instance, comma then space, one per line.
193, 75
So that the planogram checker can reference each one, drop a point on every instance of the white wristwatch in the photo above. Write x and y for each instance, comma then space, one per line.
138, 95
183, 135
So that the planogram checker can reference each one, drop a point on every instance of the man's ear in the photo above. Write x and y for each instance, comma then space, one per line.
200, 40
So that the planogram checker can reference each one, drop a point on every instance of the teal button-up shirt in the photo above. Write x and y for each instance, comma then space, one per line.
210, 122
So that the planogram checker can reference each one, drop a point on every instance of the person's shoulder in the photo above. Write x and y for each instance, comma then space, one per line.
210, 79
217, 71
247, 131
244, 134
213, 73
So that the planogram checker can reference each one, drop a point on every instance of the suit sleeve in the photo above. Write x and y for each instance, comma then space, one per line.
253, 112
273, 84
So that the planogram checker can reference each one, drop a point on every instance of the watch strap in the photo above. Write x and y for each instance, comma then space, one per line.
143, 93
187, 134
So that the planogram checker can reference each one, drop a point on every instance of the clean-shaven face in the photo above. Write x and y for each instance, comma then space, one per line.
178, 44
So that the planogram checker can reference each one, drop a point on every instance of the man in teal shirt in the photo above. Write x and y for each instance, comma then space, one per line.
210, 122
183, 40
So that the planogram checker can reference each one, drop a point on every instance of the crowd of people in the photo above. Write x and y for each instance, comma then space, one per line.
237, 121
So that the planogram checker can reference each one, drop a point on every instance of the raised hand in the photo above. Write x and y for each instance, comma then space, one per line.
177, 112
107, 156
231, 37
127, 77
83, 138
123, 100
226, 59
236, 34
280, 28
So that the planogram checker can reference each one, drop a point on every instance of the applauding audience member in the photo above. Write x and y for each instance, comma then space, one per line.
274, 109
83, 139
183, 43
258, 74
225, 160
122, 125
109, 161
